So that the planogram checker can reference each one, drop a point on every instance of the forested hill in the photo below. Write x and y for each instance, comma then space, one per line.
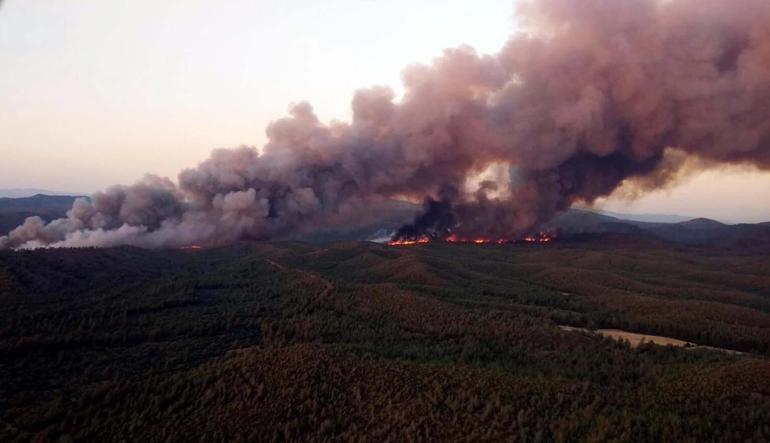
13, 211
277, 341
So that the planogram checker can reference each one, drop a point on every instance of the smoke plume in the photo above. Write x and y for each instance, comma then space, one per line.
588, 95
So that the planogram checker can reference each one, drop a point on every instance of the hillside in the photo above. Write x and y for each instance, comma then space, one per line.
29, 192
40, 204
647, 218
695, 232
293, 341
13, 211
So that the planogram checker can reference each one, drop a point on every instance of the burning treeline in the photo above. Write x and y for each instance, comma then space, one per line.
540, 238
589, 95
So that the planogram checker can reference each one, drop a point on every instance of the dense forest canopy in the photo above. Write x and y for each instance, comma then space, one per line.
274, 341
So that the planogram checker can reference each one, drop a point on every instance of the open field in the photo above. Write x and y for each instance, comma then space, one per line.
635, 340
271, 341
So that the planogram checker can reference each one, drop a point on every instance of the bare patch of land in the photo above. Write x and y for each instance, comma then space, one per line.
632, 338
635, 340
638, 339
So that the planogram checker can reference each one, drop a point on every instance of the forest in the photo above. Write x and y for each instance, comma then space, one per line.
296, 341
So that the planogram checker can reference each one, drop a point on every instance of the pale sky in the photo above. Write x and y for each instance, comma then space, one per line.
97, 92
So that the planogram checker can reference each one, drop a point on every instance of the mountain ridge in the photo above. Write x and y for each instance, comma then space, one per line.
29, 192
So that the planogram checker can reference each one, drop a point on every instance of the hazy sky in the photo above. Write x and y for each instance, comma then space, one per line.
100, 92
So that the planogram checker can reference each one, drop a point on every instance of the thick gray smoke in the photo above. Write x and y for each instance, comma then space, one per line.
591, 94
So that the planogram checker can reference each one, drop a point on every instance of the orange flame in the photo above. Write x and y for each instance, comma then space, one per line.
540, 238
191, 248
410, 242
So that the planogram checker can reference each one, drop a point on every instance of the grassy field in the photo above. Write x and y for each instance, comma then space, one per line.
274, 341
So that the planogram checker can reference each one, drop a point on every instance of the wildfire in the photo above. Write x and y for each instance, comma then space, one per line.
540, 238
410, 242
191, 248
476, 240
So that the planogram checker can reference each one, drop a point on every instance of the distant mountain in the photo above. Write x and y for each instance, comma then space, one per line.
579, 221
647, 218
29, 192
709, 232
13, 211
696, 232
42, 204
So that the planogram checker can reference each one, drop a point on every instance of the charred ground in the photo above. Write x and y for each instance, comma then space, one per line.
290, 340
